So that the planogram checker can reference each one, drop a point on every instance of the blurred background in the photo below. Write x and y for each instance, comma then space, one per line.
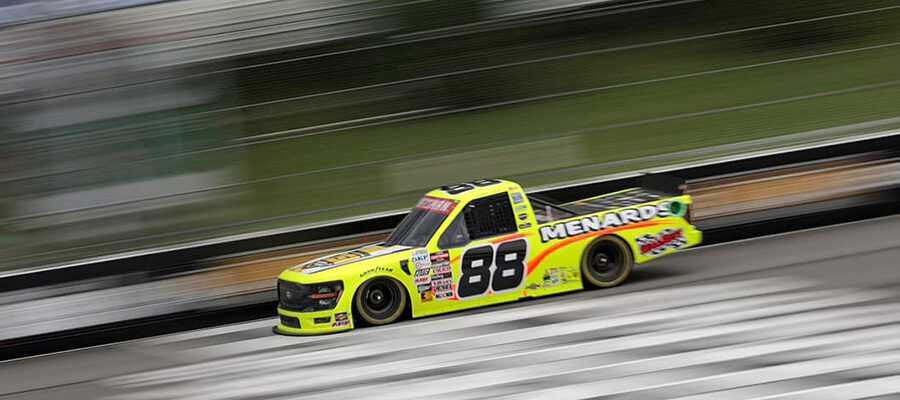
129, 124
161, 161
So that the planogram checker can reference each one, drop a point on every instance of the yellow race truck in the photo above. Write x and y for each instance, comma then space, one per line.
486, 242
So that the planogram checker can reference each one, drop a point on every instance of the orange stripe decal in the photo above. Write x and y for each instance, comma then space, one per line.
511, 237
533, 264
499, 240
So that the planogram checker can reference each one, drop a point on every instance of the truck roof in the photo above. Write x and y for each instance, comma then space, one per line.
463, 192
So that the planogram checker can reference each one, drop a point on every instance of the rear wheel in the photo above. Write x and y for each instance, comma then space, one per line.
606, 262
380, 301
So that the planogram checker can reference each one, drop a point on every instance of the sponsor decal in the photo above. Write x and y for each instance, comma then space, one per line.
441, 275
432, 273
422, 263
555, 277
653, 245
420, 259
523, 217
337, 260
517, 197
443, 288
423, 272
436, 205
612, 219
440, 262
422, 280
521, 208
371, 271
525, 225
551, 278
341, 320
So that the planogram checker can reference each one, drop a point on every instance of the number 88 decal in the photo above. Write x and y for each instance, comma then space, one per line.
500, 268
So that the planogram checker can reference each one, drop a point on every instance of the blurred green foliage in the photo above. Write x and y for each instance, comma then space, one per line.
602, 109
449, 92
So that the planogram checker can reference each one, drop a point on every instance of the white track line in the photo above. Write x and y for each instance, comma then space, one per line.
736, 317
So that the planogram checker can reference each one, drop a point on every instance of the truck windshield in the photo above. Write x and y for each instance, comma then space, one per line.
422, 222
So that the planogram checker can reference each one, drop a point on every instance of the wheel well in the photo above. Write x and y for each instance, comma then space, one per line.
407, 312
627, 245
585, 269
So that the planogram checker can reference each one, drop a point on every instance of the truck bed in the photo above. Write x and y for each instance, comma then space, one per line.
548, 212
612, 201
652, 187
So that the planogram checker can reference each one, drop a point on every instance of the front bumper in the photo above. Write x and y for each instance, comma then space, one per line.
313, 323
296, 302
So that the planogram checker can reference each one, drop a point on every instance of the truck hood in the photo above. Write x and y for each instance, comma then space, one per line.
352, 256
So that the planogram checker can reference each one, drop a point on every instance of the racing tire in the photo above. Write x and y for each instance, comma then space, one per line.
380, 301
606, 262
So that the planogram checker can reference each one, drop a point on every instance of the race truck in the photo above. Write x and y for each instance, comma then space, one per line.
486, 242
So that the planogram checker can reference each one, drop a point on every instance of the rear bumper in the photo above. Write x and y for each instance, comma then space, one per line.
695, 236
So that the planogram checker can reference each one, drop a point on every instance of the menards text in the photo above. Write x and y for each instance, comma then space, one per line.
598, 222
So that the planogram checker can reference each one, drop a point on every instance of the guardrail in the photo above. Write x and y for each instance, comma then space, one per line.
237, 272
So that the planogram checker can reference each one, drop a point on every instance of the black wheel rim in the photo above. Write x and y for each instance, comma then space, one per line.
381, 299
606, 262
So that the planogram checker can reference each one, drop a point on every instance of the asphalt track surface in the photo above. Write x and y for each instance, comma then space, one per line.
806, 315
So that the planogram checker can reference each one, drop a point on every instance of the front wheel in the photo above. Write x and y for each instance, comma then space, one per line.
606, 262
380, 301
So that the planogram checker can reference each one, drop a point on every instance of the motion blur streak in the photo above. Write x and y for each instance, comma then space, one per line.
694, 327
418, 156
135, 124
222, 283
560, 57
161, 161
236, 279
793, 186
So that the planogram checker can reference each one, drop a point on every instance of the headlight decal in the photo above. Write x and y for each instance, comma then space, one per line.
298, 297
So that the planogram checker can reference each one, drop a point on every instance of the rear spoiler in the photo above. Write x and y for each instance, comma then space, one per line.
669, 185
